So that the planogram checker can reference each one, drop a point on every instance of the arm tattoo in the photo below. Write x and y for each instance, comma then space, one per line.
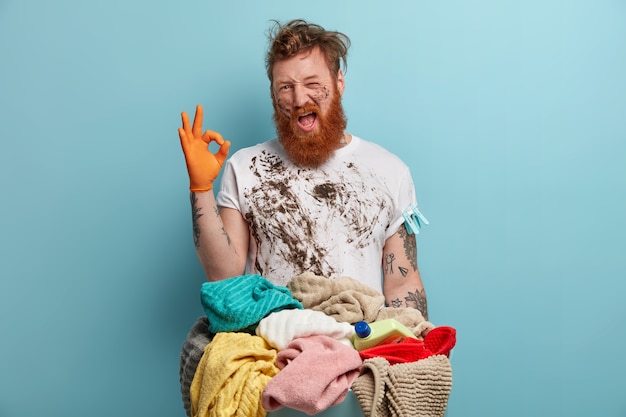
410, 247
195, 215
389, 258
224, 232
417, 300
388, 267
396, 303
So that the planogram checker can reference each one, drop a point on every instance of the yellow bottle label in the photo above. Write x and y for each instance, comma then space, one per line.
382, 332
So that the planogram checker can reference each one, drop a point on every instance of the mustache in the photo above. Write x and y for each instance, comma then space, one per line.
306, 109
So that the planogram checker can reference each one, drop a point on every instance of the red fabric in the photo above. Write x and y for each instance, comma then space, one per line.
407, 350
439, 341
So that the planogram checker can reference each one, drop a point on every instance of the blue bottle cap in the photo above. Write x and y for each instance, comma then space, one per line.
362, 329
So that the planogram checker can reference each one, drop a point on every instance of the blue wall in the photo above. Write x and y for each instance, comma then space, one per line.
510, 115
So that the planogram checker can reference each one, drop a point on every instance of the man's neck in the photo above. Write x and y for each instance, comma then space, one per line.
345, 139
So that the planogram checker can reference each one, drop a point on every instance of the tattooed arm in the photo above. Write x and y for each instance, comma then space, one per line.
402, 283
220, 236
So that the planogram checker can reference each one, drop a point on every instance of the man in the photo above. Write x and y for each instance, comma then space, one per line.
316, 199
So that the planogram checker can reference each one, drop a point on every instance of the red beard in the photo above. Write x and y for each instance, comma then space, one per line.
312, 149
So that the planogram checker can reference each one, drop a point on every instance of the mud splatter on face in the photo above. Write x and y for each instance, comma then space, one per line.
321, 95
301, 219
281, 107
283, 103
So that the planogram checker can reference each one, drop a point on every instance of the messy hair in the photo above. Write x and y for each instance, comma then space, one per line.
289, 39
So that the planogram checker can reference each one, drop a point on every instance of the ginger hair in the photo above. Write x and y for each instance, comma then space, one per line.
297, 36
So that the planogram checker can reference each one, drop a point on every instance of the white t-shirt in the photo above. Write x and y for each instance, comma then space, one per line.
332, 220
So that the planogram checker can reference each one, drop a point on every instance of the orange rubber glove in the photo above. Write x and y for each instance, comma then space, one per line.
202, 165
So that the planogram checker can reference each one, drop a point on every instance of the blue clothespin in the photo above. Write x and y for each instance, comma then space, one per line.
410, 224
418, 215
413, 219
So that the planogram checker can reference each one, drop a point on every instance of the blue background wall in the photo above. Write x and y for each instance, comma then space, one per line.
510, 115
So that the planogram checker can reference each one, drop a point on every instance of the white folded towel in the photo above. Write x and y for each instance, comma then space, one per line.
280, 328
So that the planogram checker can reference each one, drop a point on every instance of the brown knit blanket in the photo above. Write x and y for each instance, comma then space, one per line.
413, 389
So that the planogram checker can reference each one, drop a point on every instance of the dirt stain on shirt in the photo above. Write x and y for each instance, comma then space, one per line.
306, 217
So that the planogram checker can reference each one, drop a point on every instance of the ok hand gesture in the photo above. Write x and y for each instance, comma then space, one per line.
203, 166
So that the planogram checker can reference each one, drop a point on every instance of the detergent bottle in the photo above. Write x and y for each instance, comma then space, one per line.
379, 332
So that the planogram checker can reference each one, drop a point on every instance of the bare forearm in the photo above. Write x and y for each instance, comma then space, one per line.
403, 285
411, 296
218, 256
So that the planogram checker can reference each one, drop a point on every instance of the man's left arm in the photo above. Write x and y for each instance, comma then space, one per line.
402, 283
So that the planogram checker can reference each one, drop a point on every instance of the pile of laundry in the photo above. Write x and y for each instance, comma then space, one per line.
261, 347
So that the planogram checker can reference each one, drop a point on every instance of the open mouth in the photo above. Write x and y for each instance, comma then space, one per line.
306, 122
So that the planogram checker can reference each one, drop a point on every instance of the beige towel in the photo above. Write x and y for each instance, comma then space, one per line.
345, 299
412, 318
348, 300
413, 389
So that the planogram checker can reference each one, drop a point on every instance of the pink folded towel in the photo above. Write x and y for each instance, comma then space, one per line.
316, 372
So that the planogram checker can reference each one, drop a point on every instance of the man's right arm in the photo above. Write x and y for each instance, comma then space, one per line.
221, 237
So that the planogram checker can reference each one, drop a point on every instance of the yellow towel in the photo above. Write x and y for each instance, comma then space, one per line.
231, 376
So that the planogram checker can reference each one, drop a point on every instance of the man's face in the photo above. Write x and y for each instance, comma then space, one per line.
307, 108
